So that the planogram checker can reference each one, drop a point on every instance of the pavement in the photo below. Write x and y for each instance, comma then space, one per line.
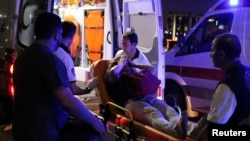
5, 135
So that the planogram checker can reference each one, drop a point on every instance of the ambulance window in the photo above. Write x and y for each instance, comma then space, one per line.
202, 37
30, 9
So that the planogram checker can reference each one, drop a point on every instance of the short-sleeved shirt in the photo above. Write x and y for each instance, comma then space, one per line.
38, 116
68, 62
140, 58
116, 90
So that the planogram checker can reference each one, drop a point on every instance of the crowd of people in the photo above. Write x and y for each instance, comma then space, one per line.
45, 85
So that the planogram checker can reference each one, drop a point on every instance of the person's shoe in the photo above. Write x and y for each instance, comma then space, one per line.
7, 127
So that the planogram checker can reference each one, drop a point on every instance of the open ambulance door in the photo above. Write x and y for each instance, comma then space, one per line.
145, 18
16, 33
7, 51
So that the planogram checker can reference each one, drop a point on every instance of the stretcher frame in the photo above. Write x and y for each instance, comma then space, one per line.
121, 126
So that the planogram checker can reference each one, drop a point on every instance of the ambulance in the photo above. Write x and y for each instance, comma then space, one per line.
189, 69
99, 29
188, 77
186, 72
100, 24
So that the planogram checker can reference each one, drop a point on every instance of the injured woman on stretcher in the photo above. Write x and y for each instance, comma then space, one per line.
145, 108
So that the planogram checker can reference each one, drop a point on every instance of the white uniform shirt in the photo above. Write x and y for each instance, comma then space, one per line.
68, 62
223, 104
141, 59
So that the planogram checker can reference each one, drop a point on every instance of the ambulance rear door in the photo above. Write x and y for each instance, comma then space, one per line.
16, 33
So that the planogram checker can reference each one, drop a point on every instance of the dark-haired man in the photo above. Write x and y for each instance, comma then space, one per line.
230, 103
63, 52
231, 100
43, 98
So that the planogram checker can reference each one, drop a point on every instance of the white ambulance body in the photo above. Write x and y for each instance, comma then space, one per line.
189, 69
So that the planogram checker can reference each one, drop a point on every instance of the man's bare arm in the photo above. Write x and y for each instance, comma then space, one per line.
77, 109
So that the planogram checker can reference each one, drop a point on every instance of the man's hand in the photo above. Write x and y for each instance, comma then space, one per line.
92, 83
99, 126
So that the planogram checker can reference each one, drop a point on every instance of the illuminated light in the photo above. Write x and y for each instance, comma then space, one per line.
234, 2
11, 69
120, 120
221, 27
216, 23
211, 20
159, 91
12, 91
10, 86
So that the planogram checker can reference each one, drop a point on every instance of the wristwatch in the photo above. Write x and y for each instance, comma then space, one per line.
88, 89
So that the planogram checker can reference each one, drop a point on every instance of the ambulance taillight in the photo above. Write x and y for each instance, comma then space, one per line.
9, 62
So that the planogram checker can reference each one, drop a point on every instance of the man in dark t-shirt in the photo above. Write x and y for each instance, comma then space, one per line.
43, 98
35, 78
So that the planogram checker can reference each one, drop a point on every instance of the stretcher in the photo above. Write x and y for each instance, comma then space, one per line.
122, 126
94, 34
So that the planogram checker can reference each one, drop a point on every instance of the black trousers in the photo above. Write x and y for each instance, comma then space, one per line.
75, 130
